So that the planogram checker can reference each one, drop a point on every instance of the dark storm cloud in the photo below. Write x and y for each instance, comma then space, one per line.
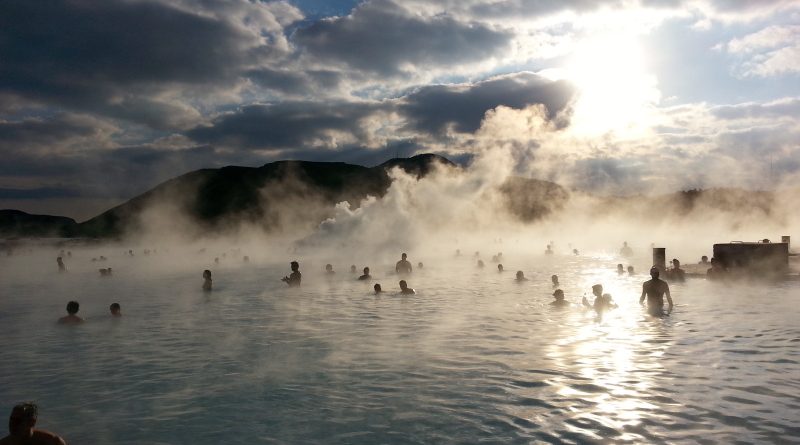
114, 57
382, 37
296, 82
43, 133
284, 125
433, 109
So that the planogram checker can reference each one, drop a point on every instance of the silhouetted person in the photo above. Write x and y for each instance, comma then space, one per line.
405, 290
480, 264
521, 276
116, 310
293, 280
377, 288
559, 301
554, 279
419, 265
71, 318
61, 267
704, 259
366, 275
676, 273
630, 270
716, 271
625, 250
620, 269
21, 429
655, 289
403, 267
206, 280
549, 250
329, 269
500, 268
353, 268
602, 302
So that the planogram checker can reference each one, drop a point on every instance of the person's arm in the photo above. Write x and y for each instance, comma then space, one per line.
644, 290
585, 302
669, 298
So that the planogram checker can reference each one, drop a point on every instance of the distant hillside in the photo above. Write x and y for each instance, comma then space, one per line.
14, 223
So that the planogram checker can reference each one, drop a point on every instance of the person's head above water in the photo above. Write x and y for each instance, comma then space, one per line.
499, 267
675, 263
403, 256
115, 309
654, 272
620, 267
554, 279
329, 267
558, 294
295, 266
73, 307
366, 271
704, 259
520, 275
22, 419
597, 289
403, 285
353, 268
207, 274
419, 265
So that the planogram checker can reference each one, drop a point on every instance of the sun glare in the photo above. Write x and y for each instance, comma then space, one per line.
615, 91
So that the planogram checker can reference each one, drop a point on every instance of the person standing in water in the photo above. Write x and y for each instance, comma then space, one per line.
206, 280
21, 429
61, 267
377, 288
366, 276
403, 267
554, 279
116, 310
329, 270
521, 276
602, 302
72, 308
625, 251
405, 290
559, 301
293, 280
655, 289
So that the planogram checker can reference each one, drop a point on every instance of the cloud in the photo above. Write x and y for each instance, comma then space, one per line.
437, 109
772, 51
127, 60
381, 37
786, 107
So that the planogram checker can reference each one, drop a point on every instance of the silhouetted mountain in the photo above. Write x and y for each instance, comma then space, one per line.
14, 223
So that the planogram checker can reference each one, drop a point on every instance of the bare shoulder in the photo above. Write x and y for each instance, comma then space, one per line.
47, 438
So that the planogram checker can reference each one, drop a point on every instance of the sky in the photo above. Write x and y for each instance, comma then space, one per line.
102, 100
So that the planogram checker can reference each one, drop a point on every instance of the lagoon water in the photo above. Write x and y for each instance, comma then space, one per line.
473, 358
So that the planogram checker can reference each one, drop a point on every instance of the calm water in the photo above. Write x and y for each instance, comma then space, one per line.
473, 358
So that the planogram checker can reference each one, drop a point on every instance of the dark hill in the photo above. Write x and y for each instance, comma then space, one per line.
14, 223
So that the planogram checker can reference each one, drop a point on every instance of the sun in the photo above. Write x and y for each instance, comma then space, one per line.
615, 92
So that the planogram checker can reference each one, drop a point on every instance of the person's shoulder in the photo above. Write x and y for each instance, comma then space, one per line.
48, 438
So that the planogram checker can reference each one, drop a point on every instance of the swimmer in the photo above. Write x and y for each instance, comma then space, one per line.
602, 302
366, 275
21, 428
419, 265
655, 289
71, 318
620, 269
353, 268
521, 276
500, 268
293, 280
676, 273
116, 310
716, 271
329, 269
206, 280
405, 290
554, 279
549, 250
480, 264
61, 267
625, 250
630, 270
559, 299
377, 288
403, 267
